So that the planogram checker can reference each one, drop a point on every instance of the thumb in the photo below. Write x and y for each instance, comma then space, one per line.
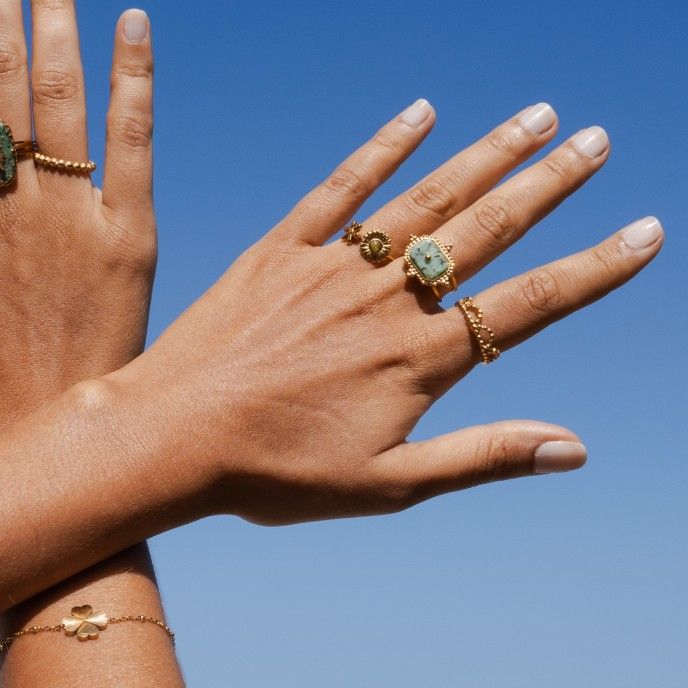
482, 454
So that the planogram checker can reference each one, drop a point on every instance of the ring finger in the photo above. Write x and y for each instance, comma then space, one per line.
522, 306
59, 102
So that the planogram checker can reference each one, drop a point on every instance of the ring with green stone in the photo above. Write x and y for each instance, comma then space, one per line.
10, 152
430, 262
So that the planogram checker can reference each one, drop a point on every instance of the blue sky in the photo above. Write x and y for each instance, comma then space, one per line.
563, 580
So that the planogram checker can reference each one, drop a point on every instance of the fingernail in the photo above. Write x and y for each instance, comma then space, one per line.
416, 114
135, 26
557, 457
592, 141
538, 118
642, 233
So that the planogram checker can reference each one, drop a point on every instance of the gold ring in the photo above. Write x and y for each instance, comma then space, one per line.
430, 261
375, 246
11, 151
484, 336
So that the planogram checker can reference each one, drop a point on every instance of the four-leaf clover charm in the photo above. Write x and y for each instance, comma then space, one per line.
84, 623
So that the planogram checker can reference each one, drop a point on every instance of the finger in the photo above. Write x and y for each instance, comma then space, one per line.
128, 175
528, 303
482, 454
15, 94
331, 204
467, 176
59, 101
500, 218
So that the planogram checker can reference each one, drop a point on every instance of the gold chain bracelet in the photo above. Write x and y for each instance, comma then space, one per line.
85, 625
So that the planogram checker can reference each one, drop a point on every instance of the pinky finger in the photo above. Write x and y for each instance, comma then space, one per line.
522, 306
127, 181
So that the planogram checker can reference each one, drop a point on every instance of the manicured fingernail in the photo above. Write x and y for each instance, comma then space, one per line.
416, 114
592, 141
135, 26
538, 118
642, 233
557, 457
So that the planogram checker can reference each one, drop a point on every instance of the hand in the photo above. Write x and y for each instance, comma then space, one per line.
77, 264
301, 373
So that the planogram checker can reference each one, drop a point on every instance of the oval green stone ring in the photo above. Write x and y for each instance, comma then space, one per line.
430, 261
10, 152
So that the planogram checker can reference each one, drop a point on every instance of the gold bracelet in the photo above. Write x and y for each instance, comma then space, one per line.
84, 624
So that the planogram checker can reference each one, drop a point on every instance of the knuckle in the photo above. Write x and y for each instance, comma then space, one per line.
51, 86
541, 291
134, 70
131, 132
559, 166
136, 249
501, 144
491, 459
345, 182
386, 139
496, 217
432, 195
12, 62
607, 258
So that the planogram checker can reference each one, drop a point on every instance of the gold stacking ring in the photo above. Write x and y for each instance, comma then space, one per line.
430, 262
375, 246
11, 151
484, 336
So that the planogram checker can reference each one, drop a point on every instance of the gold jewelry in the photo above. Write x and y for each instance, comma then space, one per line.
11, 151
431, 263
351, 232
83, 624
375, 246
482, 333
67, 165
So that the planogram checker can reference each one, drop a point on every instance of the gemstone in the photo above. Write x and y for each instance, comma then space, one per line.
375, 246
429, 259
8, 158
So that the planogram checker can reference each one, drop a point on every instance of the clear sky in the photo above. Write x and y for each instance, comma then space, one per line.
559, 581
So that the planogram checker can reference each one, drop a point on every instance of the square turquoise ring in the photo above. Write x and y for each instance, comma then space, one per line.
10, 152
430, 262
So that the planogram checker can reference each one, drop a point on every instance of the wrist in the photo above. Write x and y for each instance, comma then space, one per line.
169, 434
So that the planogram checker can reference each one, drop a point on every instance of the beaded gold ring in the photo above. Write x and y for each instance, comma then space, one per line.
484, 336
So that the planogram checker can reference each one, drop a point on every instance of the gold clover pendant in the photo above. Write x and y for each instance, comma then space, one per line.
84, 624
430, 262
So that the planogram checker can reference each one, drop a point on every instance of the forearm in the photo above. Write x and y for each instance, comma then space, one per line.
87, 476
132, 655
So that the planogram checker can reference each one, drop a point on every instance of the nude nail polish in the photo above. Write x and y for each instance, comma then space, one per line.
642, 233
592, 141
559, 456
416, 114
135, 26
538, 118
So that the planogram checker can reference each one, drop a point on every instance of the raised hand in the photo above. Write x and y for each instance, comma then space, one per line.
302, 372
77, 264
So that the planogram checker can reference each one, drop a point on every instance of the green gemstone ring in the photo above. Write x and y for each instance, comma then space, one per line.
431, 263
10, 152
